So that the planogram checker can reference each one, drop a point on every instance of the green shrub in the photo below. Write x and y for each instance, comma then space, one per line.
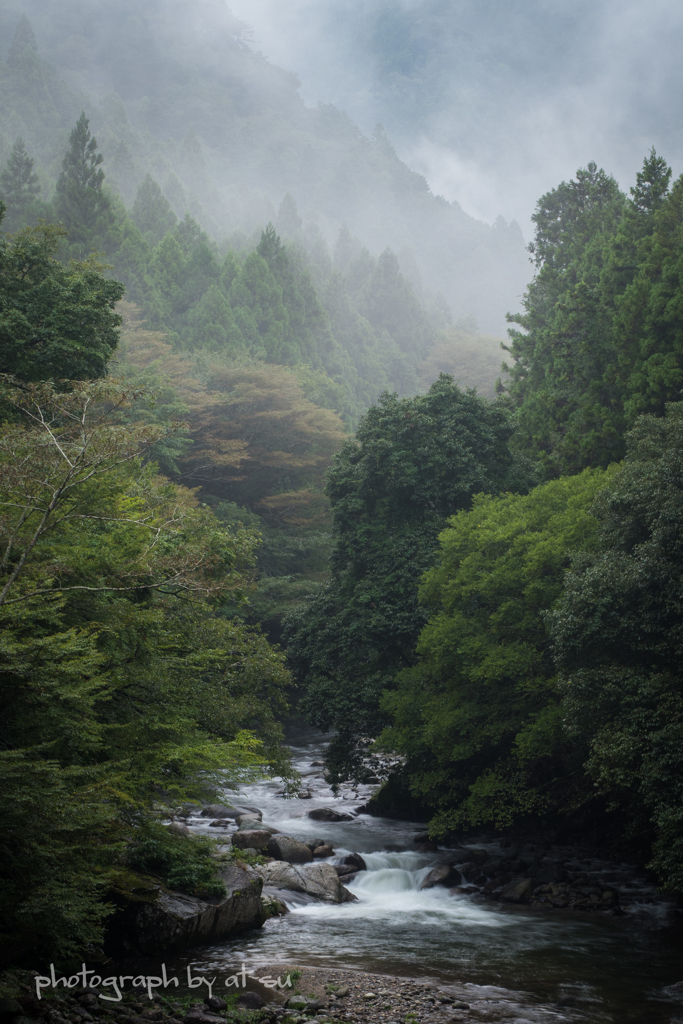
184, 863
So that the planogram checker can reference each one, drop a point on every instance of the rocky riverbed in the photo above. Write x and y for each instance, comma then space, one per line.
496, 868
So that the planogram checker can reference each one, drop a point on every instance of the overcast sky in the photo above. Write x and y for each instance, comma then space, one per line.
494, 101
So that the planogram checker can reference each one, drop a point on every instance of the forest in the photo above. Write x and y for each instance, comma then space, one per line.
246, 468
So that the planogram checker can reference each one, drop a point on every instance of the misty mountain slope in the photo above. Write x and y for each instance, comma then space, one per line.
175, 90
494, 101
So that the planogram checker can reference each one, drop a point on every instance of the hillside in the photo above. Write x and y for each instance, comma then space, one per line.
173, 89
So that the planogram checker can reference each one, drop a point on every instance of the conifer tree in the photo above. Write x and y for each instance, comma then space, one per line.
79, 200
152, 211
19, 183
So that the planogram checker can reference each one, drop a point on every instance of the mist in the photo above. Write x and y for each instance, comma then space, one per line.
495, 103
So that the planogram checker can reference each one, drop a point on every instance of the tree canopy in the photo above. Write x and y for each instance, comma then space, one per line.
413, 463
57, 320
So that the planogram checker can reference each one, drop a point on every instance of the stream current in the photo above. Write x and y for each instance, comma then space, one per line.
554, 966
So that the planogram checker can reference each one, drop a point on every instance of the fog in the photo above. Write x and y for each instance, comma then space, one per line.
494, 102
231, 105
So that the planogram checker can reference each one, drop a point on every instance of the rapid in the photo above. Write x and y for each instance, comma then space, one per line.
549, 966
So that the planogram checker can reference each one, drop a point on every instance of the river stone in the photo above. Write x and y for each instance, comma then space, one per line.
442, 874
469, 871
250, 1000
318, 879
285, 848
492, 868
200, 1015
215, 1003
256, 839
178, 829
249, 824
345, 870
219, 811
151, 920
328, 814
354, 860
518, 890
551, 873
323, 851
297, 1003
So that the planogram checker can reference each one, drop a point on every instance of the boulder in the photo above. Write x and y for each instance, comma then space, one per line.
268, 994
249, 824
219, 811
442, 874
219, 823
285, 848
355, 861
255, 839
345, 871
328, 814
319, 880
469, 871
479, 856
518, 890
251, 1001
313, 844
222, 811
215, 1003
323, 851
151, 920
179, 829
492, 868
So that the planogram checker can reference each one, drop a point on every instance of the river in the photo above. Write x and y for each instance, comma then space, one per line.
568, 966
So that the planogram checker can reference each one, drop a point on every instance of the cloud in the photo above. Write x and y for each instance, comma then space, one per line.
495, 103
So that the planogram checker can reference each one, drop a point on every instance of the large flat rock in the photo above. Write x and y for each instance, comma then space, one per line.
151, 919
319, 880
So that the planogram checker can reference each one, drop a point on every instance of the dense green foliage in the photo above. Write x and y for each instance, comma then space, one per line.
518, 644
100, 729
56, 320
617, 638
599, 343
413, 462
352, 318
546, 683
480, 716
183, 865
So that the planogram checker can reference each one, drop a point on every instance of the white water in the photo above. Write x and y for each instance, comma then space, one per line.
571, 967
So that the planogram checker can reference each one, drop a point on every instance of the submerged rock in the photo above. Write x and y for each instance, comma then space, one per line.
328, 814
